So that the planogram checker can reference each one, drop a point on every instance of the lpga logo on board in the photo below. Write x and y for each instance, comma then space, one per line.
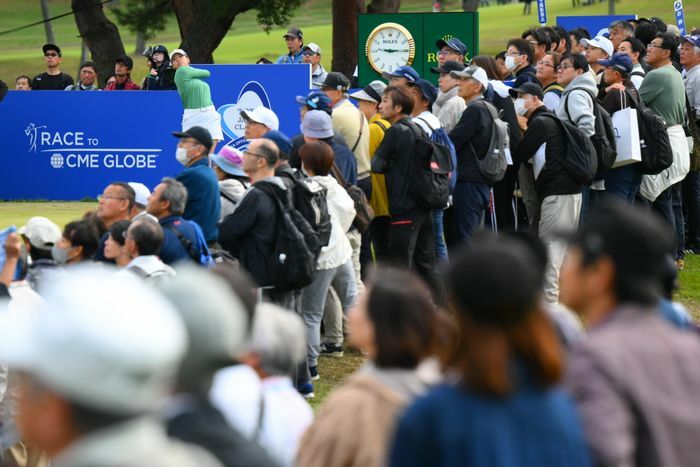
73, 149
252, 95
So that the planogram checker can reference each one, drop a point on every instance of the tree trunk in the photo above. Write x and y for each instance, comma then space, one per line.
202, 28
611, 7
48, 28
99, 34
384, 6
140, 43
470, 5
345, 35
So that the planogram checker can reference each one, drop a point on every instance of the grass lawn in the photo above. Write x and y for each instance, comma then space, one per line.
246, 42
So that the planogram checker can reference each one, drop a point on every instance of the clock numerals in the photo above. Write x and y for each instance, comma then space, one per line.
389, 46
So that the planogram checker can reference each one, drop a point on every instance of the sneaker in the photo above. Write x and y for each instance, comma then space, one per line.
313, 370
306, 390
332, 350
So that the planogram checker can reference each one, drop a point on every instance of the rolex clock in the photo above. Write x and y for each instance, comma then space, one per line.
390, 46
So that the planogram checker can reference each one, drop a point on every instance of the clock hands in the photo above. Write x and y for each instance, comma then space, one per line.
393, 50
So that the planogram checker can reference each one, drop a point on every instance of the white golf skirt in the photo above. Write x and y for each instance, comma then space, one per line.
206, 117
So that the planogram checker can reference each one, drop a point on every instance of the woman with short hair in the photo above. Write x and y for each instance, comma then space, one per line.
114, 245
396, 324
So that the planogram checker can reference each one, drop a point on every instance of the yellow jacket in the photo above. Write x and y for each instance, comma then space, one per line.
380, 199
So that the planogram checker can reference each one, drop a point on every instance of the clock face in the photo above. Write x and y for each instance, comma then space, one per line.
390, 46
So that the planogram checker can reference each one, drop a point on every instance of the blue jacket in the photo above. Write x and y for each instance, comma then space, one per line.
346, 162
203, 200
287, 58
173, 249
452, 427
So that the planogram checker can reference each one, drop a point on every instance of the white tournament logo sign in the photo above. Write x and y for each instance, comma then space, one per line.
252, 95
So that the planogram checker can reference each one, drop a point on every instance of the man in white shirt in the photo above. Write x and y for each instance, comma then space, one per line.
143, 241
311, 54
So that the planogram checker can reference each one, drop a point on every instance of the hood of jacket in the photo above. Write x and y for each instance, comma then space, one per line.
446, 96
583, 81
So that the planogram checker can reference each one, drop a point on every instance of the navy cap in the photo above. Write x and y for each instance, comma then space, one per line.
316, 100
694, 39
336, 80
199, 133
402, 72
447, 67
427, 89
454, 44
126, 60
533, 89
620, 62
53, 47
294, 32
284, 144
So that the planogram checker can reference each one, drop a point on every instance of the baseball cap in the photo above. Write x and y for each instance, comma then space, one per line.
178, 51
454, 44
601, 43
316, 100
142, 193
108, 342
427, 89
317, 124
41, 232
447, 67
294, 32
229, 159
284, 144
404, 71
126, 60
160, 48
372, 92
262, 115
473, 72
336, 80
312, 46
620, 62
533, 89
53, 47
214, 317
197, 132
694, 39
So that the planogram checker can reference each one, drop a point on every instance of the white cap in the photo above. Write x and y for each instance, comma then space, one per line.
262, 115
41, 232
312, 46
105, 341
600, 42
142, 193
474, 72
178, 51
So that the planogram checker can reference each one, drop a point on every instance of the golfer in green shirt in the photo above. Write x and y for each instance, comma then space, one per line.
196, 97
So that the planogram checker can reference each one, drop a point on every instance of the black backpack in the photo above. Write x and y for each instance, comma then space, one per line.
657, 155
579, 160
603, 139
429, 180
293, 262
310, 200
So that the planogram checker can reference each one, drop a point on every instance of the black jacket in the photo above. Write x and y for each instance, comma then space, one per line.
201, 424
526, 75
249, 232
163, 81
394, 158
554, 179
471, 137
298, 142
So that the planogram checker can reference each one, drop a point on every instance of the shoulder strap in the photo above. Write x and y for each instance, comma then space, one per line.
189, 247
261, 419
381, 125
139, 272
359, 137
638, 73
338, 175
228, 197
566, 102
426, 122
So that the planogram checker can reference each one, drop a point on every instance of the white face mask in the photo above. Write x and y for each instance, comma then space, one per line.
181, 155
520, 106
510, 62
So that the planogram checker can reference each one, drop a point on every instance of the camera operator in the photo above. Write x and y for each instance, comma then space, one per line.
162, 75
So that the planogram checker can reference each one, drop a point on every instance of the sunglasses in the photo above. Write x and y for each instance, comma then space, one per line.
51, 54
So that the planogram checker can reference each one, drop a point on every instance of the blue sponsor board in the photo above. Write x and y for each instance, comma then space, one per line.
69, 145
593, 23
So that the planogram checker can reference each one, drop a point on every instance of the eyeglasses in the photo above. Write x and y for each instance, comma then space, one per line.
308, 53
651, 46
50, 55
564, 67
108, 197
543, 63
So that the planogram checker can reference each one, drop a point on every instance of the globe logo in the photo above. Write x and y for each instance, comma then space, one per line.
56, 161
